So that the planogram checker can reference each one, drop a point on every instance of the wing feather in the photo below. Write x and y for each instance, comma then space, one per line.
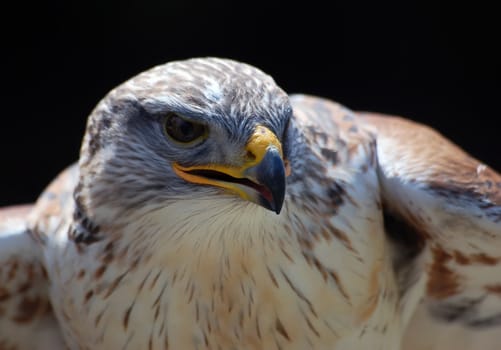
26, 320
452, 202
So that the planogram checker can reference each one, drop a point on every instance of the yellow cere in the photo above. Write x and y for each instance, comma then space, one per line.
259, 142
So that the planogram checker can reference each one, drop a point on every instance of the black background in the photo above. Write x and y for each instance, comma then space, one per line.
432, 62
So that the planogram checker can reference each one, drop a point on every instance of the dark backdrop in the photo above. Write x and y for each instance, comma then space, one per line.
436, 63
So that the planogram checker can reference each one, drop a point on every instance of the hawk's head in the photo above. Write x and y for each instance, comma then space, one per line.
190, 129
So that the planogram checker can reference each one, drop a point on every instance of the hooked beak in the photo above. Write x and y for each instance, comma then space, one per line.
260, 179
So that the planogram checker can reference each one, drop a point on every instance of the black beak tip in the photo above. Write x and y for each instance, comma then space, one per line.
278, 207
271, 174
275, 206
278, 197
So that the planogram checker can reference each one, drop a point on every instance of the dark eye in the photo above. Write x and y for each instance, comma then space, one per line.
182, 130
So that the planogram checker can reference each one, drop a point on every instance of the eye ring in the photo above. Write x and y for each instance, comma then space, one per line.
183, 131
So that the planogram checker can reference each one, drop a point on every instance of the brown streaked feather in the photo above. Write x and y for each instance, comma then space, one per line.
54, 207
455, 200
427, 333
448, 168
26, 320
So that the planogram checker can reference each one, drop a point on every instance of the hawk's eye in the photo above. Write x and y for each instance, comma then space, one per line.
182, 130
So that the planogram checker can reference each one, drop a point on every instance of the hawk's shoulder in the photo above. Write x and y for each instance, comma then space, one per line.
54, 208
452, 203
26, 320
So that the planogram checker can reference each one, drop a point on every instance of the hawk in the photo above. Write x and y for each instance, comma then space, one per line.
210, 210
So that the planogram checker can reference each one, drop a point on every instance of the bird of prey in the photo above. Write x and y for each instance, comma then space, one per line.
211, 210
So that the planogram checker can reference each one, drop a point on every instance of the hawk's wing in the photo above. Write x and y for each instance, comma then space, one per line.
26, 320
445, 210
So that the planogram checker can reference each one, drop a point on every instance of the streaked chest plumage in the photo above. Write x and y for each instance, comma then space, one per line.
235, 282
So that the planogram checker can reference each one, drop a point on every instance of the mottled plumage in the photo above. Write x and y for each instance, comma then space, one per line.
210, 210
